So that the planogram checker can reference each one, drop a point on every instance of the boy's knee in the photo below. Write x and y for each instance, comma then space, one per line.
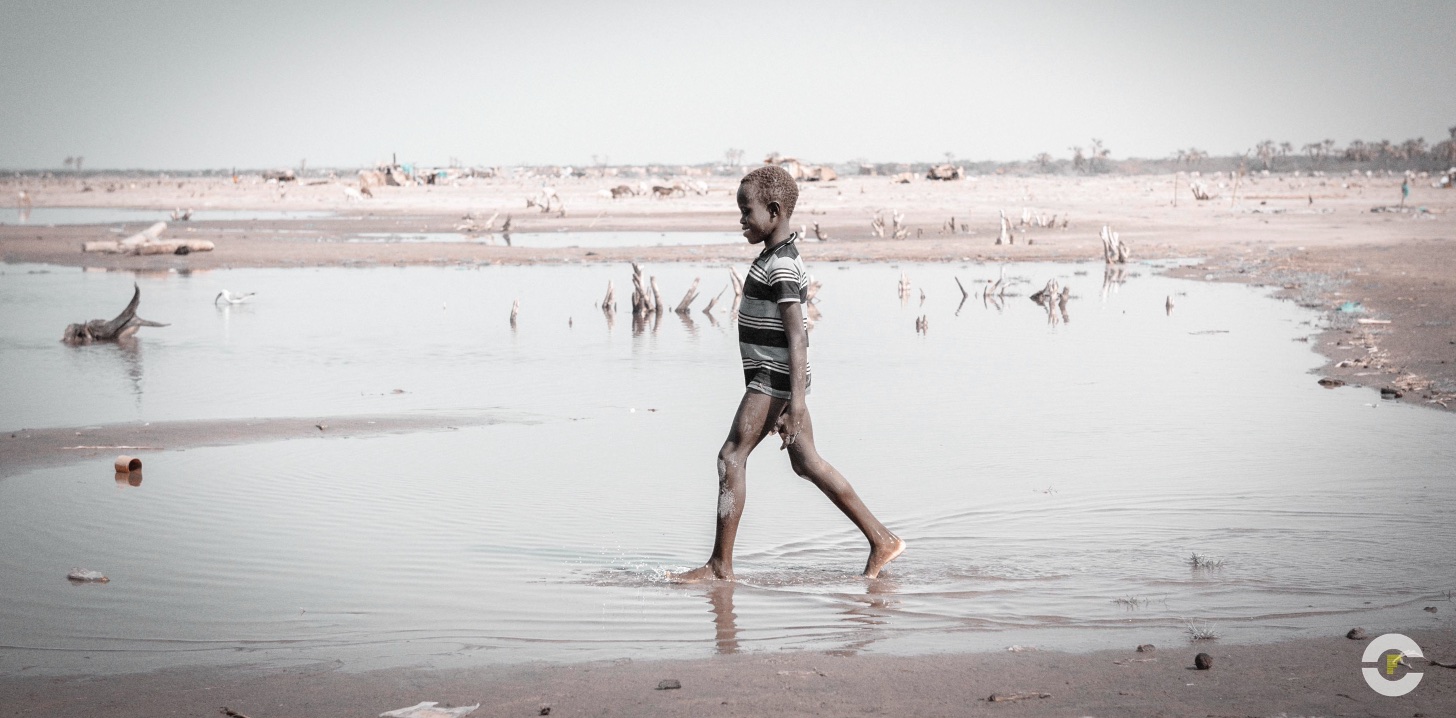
729, 457
807, 465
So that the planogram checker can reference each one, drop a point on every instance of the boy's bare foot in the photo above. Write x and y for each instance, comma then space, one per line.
881, 555
707, 572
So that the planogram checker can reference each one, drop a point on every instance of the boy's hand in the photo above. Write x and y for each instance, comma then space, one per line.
790, 422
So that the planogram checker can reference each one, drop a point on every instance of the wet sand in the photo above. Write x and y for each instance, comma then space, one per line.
1292, 678
23, 450
1315, 236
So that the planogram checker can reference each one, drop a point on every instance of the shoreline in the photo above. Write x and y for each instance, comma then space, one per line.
1311, 676
25, 450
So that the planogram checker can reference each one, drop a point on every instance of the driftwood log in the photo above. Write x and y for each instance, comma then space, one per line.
609, 304
1114, 250
121, 328
686, 305
714, 301
148, 241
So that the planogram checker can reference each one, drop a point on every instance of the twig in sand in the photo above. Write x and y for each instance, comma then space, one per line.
1008, 697
152, 448
230, 713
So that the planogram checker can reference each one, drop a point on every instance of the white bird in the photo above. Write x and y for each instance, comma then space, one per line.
228, 297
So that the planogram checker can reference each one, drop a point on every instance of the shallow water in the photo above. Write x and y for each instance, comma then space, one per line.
1040, 469
56, 216
537, 240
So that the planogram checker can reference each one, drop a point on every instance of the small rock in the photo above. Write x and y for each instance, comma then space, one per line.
1429, 609
545, 711
1329, 383
1389, 393
1203, 661
86, 575
671, 684
1147, 648
1357, 634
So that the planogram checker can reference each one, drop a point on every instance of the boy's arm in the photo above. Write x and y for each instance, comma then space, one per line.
792, 314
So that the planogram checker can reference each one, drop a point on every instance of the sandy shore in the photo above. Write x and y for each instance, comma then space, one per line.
1315, 237
1313, 677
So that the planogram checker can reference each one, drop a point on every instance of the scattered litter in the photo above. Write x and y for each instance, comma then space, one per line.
1008, 697
1389, 393
1203, 661
1211, 331
1146, 648
427, 709
545, 711
127, 464
1126, 661
810, 672
1357, 634
230, 713
86, 575
1020, 649
671, 684
1429, 609
1351, 308
1372, 321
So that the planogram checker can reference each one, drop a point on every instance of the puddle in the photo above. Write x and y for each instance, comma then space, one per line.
1040, 468
537, 240
54, 216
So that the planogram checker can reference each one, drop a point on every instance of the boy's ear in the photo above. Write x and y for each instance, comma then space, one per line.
774, 210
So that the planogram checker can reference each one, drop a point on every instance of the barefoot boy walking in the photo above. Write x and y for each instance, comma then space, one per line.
774, 343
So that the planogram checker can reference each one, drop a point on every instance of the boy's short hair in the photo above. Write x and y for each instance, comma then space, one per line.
774, 184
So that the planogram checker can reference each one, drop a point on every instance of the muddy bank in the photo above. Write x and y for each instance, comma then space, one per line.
1389, 310
23, 450
1304, 677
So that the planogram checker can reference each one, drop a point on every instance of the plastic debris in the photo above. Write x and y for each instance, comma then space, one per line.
1352, 308
86, 575
427, 709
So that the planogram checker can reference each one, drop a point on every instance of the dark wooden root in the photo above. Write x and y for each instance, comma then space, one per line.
122, 327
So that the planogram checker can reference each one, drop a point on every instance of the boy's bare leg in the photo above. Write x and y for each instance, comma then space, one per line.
884, 546
754, 420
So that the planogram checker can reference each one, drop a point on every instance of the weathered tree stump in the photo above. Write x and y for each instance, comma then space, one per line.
123, 327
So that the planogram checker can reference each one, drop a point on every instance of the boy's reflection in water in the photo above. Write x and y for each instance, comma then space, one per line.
866, 611
725, 621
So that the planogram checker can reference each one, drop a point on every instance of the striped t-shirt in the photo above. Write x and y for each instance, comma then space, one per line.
776, 276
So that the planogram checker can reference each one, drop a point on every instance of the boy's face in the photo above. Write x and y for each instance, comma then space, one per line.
759, 219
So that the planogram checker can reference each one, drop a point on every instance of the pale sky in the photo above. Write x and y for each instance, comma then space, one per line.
180, 85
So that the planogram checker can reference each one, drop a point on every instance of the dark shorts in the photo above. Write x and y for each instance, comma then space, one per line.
766, 381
